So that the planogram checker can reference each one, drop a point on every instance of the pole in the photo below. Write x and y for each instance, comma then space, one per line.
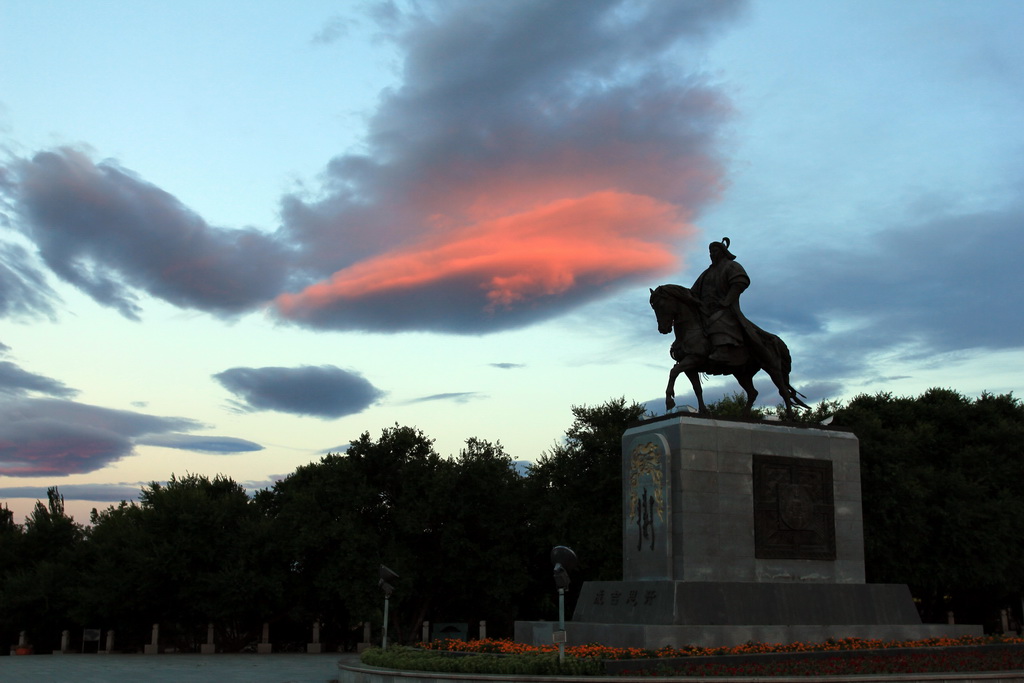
561, 624
384, 644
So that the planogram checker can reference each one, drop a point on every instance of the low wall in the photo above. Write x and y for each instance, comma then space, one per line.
349, 673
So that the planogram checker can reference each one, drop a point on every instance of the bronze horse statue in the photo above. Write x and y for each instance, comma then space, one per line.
678, 309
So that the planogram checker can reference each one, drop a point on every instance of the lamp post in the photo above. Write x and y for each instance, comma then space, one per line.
386, 575
565, 561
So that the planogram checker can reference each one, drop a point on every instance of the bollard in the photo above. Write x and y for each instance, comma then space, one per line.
425, 636
110, 642
154, 642
22, 648
208, 648
483, 630
315, 648
949, 617
367, 634
264, 646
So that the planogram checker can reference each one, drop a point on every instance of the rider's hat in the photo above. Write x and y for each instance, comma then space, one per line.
724, 246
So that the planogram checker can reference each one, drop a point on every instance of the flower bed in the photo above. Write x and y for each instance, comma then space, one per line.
832, 657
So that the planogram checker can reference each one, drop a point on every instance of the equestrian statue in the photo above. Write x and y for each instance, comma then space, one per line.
712, 336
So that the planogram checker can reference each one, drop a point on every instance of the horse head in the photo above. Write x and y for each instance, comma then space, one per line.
668, 302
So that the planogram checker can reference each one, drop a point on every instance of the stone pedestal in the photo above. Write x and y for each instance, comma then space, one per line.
736, 531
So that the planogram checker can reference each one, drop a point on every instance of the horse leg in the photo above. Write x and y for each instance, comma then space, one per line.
785, 391
670, 390
746, 381
694, 377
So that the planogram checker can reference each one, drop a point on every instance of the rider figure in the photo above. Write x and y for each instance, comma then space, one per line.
718, 288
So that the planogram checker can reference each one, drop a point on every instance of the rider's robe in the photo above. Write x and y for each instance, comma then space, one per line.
726, 325
722, 324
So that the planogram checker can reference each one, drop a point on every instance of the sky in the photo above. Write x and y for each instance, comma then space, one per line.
233, 238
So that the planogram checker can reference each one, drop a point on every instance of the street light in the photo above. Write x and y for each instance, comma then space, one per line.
565, 561
386, 575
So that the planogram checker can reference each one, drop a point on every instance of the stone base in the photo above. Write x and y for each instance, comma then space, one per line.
208, 649
151, 649
314, 648
264, 648
654, 636
722, 603
654, 614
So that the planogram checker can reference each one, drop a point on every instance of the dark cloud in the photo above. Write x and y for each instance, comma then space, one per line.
111, 493
16, 382
201, 444
458, 397
54, 437
504, 186
508, 366
100, 493
925, 286
320, 391
107, 232
500, 186
334, 29
23, 289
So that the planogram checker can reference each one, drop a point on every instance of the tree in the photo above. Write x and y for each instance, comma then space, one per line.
186, 556
576, 500
11, 559
482, 565
734, 405
41, 590
943, 482
450, 527
322, 526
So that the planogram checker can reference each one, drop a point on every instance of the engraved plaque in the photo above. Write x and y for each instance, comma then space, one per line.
794, 510
647, 514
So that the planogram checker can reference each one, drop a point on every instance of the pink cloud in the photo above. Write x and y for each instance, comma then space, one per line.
518, 258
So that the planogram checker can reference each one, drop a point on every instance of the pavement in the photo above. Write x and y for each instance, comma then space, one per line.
173, 668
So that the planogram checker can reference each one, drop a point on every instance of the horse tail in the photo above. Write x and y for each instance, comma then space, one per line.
786, 366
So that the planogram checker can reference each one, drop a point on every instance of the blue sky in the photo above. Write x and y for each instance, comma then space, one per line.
233, 238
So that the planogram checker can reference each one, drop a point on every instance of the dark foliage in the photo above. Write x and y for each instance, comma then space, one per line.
470, 537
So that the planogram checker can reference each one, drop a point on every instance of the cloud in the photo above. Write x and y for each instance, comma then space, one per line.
508, 366
320, 391
333, 30
15, 381
56, 437
100, 228
102, 493
522, 266
930, 284
201, 444
23, 289
458, 397
498, 186
504, 186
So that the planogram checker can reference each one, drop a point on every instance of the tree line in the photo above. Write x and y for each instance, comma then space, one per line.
470, 534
